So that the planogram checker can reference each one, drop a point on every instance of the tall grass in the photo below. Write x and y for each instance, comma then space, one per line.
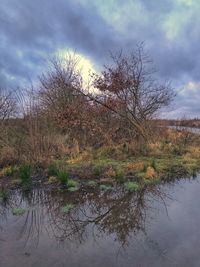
63, 177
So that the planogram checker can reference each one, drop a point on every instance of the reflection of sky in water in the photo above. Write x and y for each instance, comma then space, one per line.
156, 228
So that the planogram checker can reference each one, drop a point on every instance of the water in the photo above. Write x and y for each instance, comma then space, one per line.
156, 227
186, 129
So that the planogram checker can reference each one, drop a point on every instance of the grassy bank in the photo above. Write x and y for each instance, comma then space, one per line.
132, 166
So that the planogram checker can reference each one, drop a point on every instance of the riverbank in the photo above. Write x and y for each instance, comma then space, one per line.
130, 166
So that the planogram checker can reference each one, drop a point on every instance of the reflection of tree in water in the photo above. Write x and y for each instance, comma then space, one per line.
113, 212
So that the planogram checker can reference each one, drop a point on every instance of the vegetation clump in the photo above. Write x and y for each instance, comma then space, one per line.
132, 186
67, 208
105, 187
63, 177
4, 194
113, 135
25, 172
19, 211
72, 185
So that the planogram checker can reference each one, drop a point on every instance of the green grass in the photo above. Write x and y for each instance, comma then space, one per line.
119, 175
97, 170
151, 181
25, 172
72, 185
52, 170
67, 208
4, 194
19, 211
73, 189
132, 186
63, 177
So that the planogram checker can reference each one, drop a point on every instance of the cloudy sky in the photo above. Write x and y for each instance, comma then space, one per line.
31, 31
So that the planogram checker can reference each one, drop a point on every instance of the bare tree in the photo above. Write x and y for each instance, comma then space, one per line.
7, 104
128, 88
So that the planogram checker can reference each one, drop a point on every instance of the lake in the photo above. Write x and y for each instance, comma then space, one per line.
158, 226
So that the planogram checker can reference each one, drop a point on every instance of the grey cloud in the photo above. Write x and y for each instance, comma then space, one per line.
30, 31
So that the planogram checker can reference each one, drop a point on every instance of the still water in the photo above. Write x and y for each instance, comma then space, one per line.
159, 226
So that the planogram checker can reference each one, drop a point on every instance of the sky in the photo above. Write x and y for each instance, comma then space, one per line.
32, 31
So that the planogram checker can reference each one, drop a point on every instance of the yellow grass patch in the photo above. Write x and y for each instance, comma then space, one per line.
150, 173
137, 166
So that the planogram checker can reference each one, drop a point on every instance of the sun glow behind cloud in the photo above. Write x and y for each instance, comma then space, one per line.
84, 64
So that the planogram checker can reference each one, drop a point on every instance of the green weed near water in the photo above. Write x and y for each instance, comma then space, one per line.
151, 181
25, 172
52, 170
63, 177
119, 175
4, 194
72, 185
67, 208
132, 186
19, 211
